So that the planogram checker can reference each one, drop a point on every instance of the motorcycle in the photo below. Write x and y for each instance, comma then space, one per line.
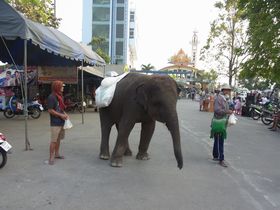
261, 110
268, 119
256, 111
267, 115
34, 108
72, 106
4, 149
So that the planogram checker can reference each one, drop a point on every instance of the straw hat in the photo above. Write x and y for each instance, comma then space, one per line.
225, 87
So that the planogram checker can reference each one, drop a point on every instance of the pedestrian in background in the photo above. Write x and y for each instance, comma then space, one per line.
276, 118
238, 106
219, 124
201, 99
58, 116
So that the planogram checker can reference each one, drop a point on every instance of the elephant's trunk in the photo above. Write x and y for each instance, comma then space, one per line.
173, 126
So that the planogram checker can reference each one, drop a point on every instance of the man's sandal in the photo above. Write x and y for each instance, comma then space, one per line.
60, 157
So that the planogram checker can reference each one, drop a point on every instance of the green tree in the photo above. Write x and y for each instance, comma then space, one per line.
147, 67
98, 45
263, 39
255, 83
225, 47
210, 76
41, 11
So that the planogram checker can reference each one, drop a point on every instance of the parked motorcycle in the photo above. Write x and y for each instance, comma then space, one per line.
256, 111
262, 110
4, 148
15, 107
73, 106
267, 115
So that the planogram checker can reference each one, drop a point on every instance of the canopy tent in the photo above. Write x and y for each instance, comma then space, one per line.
46, 46
92, 70
24, 42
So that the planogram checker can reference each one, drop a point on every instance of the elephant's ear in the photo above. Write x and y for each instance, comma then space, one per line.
141, 96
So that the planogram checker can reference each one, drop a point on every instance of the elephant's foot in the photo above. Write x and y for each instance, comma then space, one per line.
116, 162
104, 157
128, 152
142, 156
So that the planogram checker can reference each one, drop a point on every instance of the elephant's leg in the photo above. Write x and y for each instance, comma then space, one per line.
106, 126
146, 136
128, 151
121, 146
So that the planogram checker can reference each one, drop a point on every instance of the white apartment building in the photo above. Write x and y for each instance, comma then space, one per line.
113, 20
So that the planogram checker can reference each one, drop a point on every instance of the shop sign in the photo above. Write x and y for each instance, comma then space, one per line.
66, 74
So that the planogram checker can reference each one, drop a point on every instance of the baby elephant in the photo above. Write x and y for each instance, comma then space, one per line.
141, 99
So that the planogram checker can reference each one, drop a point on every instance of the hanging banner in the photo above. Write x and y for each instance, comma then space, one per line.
10, 82
10, 76
65, 74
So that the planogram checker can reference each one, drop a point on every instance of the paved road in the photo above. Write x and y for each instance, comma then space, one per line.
82, 181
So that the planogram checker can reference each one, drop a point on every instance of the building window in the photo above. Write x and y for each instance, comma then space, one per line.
100, 14
120, 1
119, 48
132, 14
101, 30
101, 1
119, 61
131, 33
119, 31
120, 13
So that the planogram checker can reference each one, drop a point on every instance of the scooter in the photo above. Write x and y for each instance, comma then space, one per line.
4, 148
34, 108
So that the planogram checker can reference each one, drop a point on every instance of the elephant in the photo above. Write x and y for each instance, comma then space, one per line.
144, 99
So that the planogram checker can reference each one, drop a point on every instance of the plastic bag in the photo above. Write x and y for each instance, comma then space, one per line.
232, 120
67, 124
105, 92
104, 95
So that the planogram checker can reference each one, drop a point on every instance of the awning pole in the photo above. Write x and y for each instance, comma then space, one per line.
27, 143
82, 92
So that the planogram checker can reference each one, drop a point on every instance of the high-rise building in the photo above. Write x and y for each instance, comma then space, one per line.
115, 22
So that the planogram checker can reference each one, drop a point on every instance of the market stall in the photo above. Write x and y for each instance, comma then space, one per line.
27, 43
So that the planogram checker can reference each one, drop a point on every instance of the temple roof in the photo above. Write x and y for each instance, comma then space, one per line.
179, 67
181, 58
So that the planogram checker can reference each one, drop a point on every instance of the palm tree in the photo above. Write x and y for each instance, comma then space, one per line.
147, 67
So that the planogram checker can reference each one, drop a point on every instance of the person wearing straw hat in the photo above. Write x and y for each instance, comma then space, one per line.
219, 123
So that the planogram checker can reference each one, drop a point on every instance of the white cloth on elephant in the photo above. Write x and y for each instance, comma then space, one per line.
105, 92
